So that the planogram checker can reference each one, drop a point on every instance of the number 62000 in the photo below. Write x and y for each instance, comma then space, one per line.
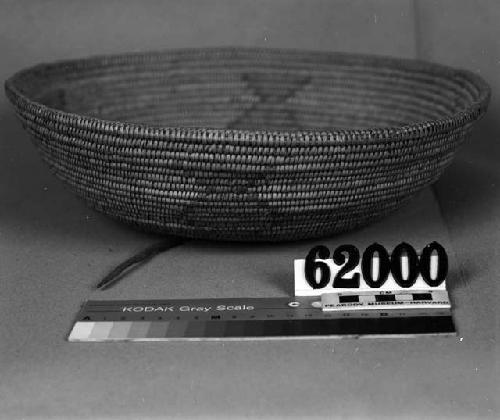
403, 263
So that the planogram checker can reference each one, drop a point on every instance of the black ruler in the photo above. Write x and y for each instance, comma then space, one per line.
336, 315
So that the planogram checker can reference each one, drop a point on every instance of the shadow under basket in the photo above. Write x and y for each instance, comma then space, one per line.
247, 144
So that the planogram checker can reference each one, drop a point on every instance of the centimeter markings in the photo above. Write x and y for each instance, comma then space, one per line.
346, 269
263, 308
344, 314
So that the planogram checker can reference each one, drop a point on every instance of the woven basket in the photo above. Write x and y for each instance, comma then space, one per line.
247, 144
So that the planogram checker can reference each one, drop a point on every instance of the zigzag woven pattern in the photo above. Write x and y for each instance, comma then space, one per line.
247, 144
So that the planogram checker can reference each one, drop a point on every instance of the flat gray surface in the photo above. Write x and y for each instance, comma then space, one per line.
49, 275
52, 248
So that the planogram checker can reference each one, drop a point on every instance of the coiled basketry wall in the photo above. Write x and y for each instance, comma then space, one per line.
247, 144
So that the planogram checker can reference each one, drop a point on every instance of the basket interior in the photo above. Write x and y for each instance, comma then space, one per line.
254, 90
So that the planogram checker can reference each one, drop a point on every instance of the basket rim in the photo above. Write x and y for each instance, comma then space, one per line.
13, 86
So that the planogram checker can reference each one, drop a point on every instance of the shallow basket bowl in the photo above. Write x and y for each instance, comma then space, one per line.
247, 144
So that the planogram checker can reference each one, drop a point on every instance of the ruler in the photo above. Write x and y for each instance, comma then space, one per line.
362, 314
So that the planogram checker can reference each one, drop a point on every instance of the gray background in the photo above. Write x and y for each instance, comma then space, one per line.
52, 248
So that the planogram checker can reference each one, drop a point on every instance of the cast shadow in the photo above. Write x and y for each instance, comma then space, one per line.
35, 201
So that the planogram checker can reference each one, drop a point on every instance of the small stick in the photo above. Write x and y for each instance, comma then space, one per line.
141, 257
